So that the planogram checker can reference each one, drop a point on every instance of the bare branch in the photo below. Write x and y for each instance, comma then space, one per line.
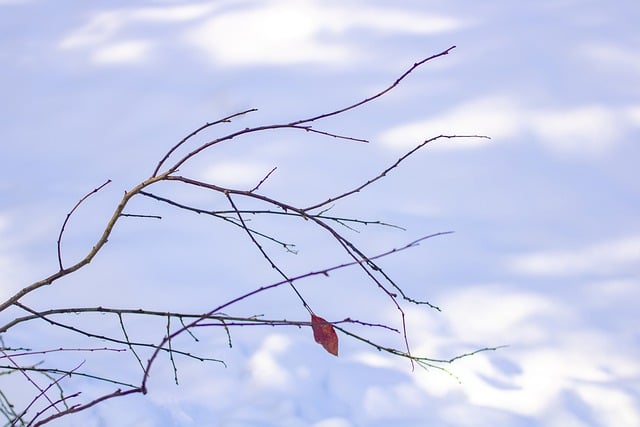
78, 408
66, 220
170, 351
265, 255
119, 334
296, 124
140, 216
387, 170
43, 393
194, 133
92, 253
325, 133
111, 339
377, 95
263, 180
124, 332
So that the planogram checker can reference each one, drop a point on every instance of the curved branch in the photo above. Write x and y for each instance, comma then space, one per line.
64, 224
377, 95
92, 253
297, 123
387, 170
194, 133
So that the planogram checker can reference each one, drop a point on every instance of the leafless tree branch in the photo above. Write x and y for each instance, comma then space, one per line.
44, 379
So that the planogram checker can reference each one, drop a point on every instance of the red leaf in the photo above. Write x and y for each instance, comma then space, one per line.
324, 334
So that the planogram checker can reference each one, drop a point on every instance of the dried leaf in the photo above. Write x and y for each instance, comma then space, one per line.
324, 334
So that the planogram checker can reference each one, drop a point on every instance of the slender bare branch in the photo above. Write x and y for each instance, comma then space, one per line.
265, 255
66, 220
170, 351
78, 408
120, 334
263, 179
94, 250
377, 95
194, 133
43, 393
297, 123
111, 339
387, 170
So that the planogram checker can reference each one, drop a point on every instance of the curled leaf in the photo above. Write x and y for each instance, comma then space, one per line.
324, 334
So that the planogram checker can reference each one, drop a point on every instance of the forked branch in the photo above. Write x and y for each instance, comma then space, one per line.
144, 351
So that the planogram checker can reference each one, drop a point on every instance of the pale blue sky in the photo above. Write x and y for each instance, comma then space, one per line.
546, 253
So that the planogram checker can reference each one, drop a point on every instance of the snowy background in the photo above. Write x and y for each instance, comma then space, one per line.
546, 252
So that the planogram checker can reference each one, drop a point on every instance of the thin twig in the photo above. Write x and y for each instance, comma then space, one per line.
170, 351
377, 95
263, 179
297, 124
94, 250
126, 337
194, 133
79, 374
111, 339
66, 220
52, 404
265, 255
220, 308
66, 350
287, 246
78, 408
140, 216
387, 170
41, 391
333, 135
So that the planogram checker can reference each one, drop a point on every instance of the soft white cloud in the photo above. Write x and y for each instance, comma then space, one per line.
585, 130
333, 422
373, 360
590, 129
611, 292
552, 351
546, 374
4, 222
390, 20
389, 402
499, 117
102, 27
488, 314
12, 269
606, 257
103, 33
614, 407
5, 265
265, 32
235, 174
106, 26
172, 13
512, 315
264, 367
632, 114
131, 51
612, 56
290, 31
275, 33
